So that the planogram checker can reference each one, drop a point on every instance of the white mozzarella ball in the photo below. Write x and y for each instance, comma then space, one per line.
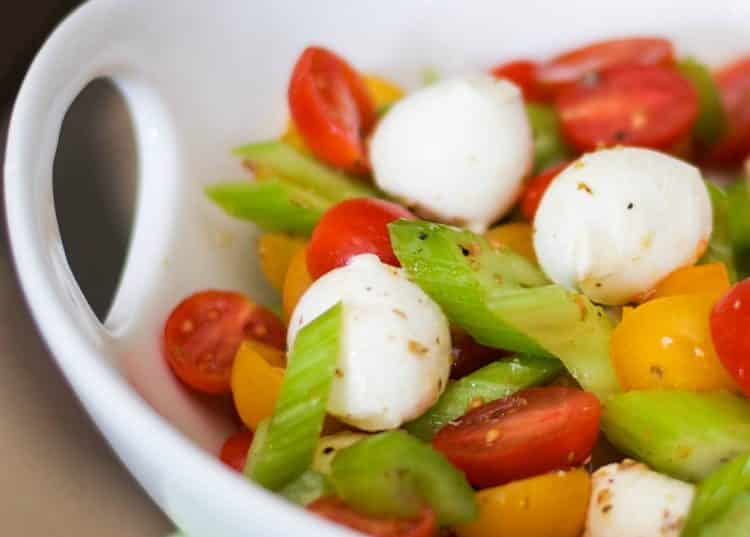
456, 151
629, 500
396, 346
616, 222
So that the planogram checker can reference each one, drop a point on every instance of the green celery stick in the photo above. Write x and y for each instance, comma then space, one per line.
712, 121
307, 488
395, 474
273, 205
286, 449
734, 521
720, 246
684, 434
549, 146
304, 171
494, 381
715, 493
739, 225
496, 296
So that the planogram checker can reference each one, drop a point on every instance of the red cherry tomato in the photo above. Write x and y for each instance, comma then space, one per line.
730, 332
523, 74
337, 511
535, 188
528, 433
235, 449
734, 85
647, 106
332, 108
352, 227
576, 64
202, 335
468, 355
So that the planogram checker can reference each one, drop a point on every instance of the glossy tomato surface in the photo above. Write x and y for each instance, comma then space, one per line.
202, 335
332, 108
528, 433
730, 331
353, 227
235, 449
337, 511
535, 188
523, 74
734, 86
646, 106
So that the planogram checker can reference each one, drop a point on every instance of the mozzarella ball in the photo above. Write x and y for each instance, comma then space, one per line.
395, 347
329, 446
455, 151
616, 222
629, 500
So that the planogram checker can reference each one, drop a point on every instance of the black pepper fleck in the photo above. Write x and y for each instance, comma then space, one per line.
328, 450
422, 236
630, 205
464, 250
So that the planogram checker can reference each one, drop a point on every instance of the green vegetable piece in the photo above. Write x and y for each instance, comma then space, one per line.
716, 493
734, 521
307, 488
684, 434
273, 205
395, 474
720, 246
738, 213
496, 296
549, 146
304, 171
285, 450
712, 120
494, 381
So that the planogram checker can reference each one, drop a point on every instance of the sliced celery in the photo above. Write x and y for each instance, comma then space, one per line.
286, 449
739, 225
395, 474
273, 205
496, 296
716, 492
549, 146
304, 171
712, 121
720, 246
489, 383
307, 488
681, 433
734, 521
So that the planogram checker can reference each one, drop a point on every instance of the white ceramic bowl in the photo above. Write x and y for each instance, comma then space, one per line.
199, 77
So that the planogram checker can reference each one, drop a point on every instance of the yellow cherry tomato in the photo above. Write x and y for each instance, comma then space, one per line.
276, 251
296, 282
516, 235
255, 385
711, 279
666, 344
272, 355
549, 505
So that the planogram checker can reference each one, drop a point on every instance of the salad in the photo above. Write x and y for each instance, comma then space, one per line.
511, 303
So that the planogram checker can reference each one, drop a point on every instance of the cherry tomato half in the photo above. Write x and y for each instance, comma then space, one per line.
468, 355
352, 227
576, 64
332, 108
528, 433
235, 449
523, 74
535, 188
730, 323
202, 335
647, 106
734, 85
337, 511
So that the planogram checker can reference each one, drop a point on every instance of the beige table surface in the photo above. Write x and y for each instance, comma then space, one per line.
57, 475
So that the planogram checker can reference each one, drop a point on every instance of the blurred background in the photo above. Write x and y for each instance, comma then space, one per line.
59, 477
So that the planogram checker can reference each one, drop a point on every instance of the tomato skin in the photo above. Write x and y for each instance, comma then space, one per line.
332, 108
235, 449
523, 74
528, 433
353, 227
730, 320
204, 331
337, 511
646, 106
574, 65
468, 355
535, 188
734, 86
